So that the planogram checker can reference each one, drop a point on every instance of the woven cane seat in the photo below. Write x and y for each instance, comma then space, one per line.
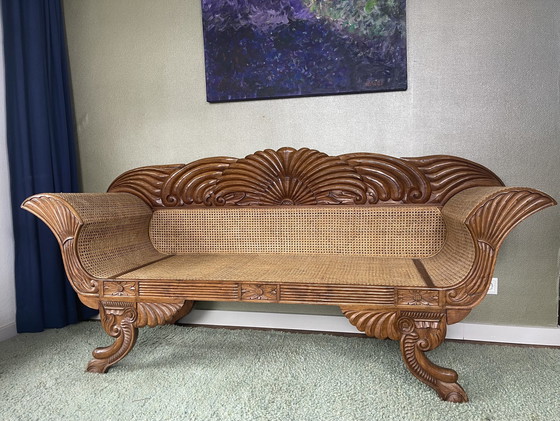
287, 268
390, 246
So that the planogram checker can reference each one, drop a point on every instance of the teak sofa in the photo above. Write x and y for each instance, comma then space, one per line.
404, 247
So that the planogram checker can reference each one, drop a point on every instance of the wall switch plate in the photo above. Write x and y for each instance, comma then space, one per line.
493, 290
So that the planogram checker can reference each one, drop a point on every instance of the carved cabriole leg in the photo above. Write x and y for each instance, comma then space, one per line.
421, 332
117, 318
418, 332
121, 320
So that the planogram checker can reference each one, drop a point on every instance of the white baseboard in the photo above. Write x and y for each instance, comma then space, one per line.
8, 331
525, 335
462, 331
270, 320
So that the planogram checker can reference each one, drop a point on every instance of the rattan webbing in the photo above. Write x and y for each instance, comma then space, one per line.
462, 204
456, 259
112, 247
283, 268
96, 207
358, 231
114, 238
452, 264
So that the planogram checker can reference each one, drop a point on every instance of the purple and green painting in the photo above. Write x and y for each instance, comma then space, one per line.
257, 49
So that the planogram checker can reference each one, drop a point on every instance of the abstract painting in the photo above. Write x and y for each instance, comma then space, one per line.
260, 49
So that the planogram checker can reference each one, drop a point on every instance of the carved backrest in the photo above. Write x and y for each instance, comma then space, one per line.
276, 194
305, 177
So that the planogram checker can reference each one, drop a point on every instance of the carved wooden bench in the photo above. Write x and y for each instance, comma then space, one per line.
403, 246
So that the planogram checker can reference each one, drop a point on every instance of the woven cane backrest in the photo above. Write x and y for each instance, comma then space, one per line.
368, 231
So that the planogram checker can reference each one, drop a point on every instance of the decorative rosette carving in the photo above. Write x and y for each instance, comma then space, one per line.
417, 297
263, 292
119, 288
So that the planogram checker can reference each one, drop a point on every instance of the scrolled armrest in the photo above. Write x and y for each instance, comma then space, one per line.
65, 213
486, 215
491, 213
100, 234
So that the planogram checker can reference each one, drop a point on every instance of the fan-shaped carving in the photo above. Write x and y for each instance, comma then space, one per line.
499, 215
489, 225
153, 314
304, 177
380, 324
60, 219
289, 177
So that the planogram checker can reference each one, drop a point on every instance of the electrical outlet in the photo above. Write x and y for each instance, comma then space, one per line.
493, 290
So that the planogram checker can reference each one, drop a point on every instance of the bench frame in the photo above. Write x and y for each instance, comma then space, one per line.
417, 317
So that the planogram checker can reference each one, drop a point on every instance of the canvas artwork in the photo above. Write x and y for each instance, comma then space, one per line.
256, 49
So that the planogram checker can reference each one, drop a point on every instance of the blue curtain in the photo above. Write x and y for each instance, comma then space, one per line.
42, 156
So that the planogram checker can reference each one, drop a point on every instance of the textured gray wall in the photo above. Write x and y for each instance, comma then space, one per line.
483, 84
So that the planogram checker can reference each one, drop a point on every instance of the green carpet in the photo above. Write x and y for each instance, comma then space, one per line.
184, 373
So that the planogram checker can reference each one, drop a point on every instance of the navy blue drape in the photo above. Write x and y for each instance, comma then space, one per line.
42, 156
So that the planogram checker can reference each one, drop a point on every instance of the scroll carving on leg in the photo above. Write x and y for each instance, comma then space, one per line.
118, 320
121, 320
418, 333
421, 332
